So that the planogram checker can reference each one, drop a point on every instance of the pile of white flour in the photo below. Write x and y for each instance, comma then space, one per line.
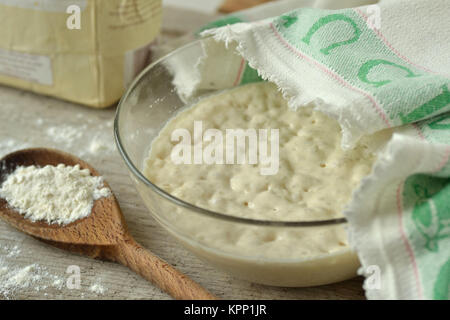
54, 194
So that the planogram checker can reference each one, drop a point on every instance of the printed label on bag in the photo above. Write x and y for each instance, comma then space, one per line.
30, 67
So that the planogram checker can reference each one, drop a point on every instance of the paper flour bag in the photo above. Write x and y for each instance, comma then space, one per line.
85, 51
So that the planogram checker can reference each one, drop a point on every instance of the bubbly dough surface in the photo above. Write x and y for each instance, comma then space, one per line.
315, 179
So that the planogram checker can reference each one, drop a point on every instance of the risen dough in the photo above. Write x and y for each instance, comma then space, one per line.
315, 177
315, 181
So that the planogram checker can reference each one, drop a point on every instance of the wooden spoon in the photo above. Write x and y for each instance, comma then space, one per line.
103, 234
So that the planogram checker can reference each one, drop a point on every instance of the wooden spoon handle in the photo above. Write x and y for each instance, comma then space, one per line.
159, 272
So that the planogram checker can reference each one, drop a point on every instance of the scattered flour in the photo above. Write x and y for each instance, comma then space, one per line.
73, 139
3, 271
58, 283
13, 252
55, 194
97, 288
65, 134
34, 276
14, 277
24, 277
100, 145
79, 139
9, 252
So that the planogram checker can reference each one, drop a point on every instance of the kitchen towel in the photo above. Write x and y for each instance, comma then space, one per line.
385, 65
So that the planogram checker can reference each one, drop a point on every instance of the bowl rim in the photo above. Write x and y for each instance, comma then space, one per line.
167, 196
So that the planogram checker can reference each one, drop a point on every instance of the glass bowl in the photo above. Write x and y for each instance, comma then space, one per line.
268, 252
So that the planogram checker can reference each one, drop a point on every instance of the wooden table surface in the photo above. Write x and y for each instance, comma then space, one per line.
28, 120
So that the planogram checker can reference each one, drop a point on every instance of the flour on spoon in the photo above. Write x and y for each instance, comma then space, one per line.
54, 194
